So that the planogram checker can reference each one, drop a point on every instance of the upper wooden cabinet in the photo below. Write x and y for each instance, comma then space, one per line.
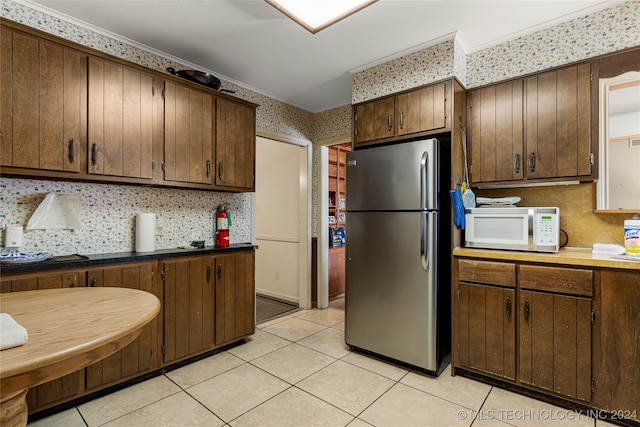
495, 132
42, 85
188, 134
416, 112
538, 128
119, 120
71, 112
235, 145
558, 123
421, 110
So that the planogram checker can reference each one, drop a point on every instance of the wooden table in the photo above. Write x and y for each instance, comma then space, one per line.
68, 330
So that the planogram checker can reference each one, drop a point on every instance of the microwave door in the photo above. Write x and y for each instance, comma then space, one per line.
499, 231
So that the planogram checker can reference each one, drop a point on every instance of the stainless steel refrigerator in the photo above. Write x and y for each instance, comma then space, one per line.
398, 256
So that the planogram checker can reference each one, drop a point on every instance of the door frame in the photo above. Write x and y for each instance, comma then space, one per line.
304, 255
322, 219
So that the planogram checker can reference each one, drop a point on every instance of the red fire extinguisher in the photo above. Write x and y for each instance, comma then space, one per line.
223, 222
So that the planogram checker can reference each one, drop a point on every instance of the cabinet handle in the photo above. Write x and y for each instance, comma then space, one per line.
508, 308
75, 281
94, 283
220, 170
389, 121
209, 274
526, 309
532, 162
516, 163
72, 150
208, 167
94, 153
401, 120
219, 272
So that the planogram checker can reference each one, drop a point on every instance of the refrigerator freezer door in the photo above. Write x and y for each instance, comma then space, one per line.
391, 290
396, 177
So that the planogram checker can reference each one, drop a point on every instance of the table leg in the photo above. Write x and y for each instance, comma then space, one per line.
13, 409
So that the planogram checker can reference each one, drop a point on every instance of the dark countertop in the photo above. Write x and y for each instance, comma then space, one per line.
119, 257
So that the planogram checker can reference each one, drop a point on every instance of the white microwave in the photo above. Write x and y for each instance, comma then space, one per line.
511, 228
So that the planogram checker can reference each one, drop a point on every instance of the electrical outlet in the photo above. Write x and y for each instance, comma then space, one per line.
277, 275
159, 230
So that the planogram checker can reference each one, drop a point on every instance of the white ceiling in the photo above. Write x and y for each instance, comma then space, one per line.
250, 43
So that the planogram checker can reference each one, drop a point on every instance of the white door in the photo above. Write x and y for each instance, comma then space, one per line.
281, 180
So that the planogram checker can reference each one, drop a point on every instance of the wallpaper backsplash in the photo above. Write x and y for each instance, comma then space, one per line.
108, 215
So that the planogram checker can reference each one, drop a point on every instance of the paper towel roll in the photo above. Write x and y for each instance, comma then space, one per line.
145, 232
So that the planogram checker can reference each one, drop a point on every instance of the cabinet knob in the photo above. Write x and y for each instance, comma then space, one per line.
220, 170
219, 272
94, 283
516, 163
389, 124
401, 120
208, 167
526, 309
508, 308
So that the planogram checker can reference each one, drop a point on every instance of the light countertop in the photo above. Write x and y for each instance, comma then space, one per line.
566, 256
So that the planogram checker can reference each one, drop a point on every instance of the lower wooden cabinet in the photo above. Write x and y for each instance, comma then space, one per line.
555, 343
70, 386
187, 307
140, 356
484, 310
234, 296
208, 301
617, 361
529, 325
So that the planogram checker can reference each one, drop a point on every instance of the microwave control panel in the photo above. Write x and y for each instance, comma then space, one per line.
546, 229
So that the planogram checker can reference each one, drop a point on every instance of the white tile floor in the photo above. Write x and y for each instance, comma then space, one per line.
297, 371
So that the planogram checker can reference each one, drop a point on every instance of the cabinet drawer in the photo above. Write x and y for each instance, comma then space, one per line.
573, 281
487, 272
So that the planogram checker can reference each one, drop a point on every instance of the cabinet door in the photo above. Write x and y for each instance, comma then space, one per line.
558, 123
485, 317
359, 120
383, 123
234, 296
235, 145
421, 110
139, 356
188, 307
67, 387
555, 343
495, 138
42, 104
617, 369
120, 120
188, 138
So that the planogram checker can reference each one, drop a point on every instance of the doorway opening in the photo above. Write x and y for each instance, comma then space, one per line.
337, 199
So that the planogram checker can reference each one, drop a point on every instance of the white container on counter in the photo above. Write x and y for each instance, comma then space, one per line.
632, 235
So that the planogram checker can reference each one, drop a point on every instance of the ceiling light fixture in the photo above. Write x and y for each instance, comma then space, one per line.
316, 15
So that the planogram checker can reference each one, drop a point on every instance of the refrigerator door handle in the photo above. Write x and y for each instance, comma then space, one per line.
424, 184
424, 242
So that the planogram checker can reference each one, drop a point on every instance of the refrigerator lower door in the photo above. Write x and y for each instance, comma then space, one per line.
391, 285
